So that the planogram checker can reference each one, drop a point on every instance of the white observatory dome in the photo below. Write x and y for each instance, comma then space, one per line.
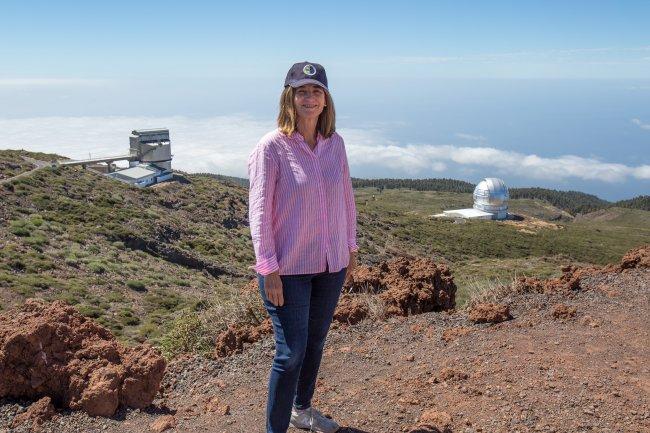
491, 195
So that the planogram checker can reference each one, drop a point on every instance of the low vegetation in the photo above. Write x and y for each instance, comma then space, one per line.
166, 263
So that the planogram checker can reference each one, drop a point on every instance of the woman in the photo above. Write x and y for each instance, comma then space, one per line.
303, 224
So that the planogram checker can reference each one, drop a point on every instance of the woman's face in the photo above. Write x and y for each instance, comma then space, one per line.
309, 101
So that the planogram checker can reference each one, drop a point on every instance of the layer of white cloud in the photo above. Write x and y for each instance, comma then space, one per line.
640, 124
221, 144
217, 144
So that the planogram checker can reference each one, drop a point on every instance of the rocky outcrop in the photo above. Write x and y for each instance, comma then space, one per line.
406, 286
489, 313
351, 310
36, 415
570, 280
50, 350
433, 421
636, 258
563, 311
233, 339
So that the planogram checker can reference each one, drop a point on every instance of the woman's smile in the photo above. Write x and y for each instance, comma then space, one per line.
309, 100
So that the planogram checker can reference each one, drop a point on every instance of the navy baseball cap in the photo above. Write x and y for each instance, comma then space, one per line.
306, 73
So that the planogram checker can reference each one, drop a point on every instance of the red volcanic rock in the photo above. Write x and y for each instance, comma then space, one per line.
406, 286
232, 340
351, 310
562, 311
453, 333
571, 275
163, 423
449, 374
489, 313
636, 258
432, 421
52, 350
38, 413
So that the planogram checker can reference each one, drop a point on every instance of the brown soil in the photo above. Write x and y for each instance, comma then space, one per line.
50, 350
438, 371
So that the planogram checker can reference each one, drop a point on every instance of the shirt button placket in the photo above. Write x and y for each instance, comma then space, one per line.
321, 194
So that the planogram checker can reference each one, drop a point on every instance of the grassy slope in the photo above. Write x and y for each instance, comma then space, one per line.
127, 256
133, 257
398, 222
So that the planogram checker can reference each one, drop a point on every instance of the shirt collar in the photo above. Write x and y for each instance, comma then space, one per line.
298, 136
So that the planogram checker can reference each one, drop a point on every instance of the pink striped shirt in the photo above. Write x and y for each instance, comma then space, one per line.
301, 205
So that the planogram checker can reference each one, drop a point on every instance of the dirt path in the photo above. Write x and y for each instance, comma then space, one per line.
39, 165
587, 373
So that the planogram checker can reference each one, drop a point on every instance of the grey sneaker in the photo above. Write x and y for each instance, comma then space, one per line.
313, 420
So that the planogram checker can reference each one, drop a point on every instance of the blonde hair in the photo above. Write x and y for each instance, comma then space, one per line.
288, 118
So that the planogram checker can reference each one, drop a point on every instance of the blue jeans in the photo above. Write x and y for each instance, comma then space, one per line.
300, 327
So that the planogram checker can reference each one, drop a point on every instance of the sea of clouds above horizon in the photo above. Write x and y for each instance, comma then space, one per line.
221, 144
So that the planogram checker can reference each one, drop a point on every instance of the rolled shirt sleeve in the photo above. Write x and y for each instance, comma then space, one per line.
351, 208
263, 174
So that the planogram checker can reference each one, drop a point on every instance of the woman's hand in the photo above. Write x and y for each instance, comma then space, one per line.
273, 288
351, 265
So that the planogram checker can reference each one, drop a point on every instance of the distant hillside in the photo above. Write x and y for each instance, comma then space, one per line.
573, 202
640, 202
232, 179
451, 185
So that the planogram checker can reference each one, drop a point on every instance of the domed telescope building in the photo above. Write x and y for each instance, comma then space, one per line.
491, 195
490, 202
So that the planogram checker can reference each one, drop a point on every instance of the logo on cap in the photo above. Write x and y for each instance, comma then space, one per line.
309, 70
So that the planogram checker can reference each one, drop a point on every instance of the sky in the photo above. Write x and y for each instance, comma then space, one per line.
540, 93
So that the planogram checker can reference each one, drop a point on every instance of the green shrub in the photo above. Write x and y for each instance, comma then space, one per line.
187, 334
127, 318
149, 329
36, 220
164, 301
97, 267
136, 285
21, 227
89, 311
68, 298
115, 296
72, 261
36, 240
181, 282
